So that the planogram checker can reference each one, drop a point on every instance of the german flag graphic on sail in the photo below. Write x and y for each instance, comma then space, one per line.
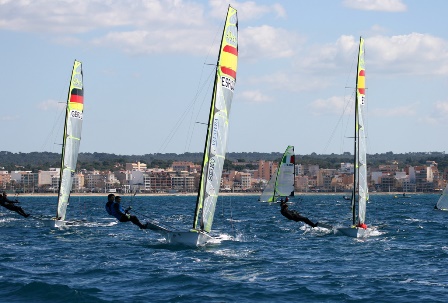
76, 92
77, 96
229, 50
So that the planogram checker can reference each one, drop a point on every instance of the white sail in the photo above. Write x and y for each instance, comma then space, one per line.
442, 204
360, 195
281, 183
215, 143
216, 139
360, 135
268, 193
71, 138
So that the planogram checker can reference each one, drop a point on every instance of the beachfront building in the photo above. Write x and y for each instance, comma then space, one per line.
136, 166
182, 182
5, 178
266, 169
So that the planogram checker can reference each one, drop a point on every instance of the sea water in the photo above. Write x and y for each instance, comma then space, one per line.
259, 255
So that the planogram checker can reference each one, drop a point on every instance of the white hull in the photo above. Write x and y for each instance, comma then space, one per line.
188, 238
52, 223
354, 232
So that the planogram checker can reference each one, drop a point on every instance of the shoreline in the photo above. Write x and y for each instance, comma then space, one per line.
220, 194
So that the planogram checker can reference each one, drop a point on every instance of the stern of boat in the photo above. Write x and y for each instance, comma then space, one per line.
53, 223
353, 232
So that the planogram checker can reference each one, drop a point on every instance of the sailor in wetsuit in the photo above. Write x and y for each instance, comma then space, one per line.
114, 208
6, 203
294, 215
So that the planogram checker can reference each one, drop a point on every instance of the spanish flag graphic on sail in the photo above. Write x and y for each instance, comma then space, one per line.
361, 81
229, 50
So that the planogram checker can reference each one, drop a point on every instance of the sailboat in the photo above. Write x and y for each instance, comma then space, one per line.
360, 194
442, 203
281, 183
71, 140
215, 143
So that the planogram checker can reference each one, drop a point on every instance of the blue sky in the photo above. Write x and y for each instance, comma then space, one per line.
147, 79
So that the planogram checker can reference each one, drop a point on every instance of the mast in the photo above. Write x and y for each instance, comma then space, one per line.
363, 190
217, 128
360, 189
356, 183
71, 138
293, 161
64, 139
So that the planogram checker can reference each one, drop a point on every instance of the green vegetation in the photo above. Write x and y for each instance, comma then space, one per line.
36, 161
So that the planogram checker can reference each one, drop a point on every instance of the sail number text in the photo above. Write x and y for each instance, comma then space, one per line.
228, 83
76, 114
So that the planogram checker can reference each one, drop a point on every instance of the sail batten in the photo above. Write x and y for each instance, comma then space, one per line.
71, 138
217, 130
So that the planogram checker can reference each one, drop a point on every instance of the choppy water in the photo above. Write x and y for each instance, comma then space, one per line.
263, 257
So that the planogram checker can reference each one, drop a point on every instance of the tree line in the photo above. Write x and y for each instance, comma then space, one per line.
35, 161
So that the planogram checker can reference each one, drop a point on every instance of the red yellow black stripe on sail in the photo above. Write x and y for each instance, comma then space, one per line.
77, 96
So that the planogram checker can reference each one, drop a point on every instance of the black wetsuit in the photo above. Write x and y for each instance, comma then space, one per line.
115, 209
8, 204
295, 216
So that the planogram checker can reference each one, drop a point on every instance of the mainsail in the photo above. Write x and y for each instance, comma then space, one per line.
442, 204
71, 138
218, 123
281, 183
360, 179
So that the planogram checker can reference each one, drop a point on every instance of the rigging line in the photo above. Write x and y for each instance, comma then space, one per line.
335, 128
198, 90
52, 133
179, 122
148, 218
193, 125
348, 125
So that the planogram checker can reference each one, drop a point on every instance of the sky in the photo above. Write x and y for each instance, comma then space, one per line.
148, 74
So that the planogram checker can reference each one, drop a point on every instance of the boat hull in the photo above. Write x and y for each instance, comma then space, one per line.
52, 223
354, 232
188, 238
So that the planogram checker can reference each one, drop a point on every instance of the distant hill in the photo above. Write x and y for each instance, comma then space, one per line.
35, 161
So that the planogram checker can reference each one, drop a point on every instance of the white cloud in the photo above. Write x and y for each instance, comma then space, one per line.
376, 5
412, 54
409, 54
247, 10
8, 118
50, 105
323, 59
254, 96
191, 41
333, 105
267, 42
137, 27
438, 114
377, 29
292, 82
442, 108
74, 17
399, 112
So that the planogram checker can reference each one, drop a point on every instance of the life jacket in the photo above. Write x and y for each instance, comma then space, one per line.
109, 207
114, 209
